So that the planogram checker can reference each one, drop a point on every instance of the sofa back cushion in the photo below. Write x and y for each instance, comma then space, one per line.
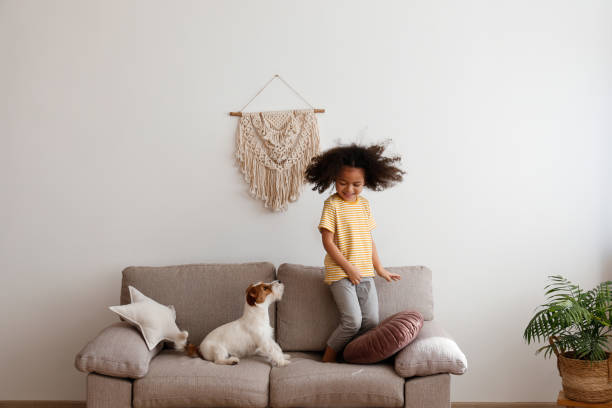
307, 314
205, 296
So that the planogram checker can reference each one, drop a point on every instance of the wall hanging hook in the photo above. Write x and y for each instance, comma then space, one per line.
239, 113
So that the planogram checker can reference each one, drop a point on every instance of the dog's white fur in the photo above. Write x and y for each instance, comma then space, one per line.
250, 334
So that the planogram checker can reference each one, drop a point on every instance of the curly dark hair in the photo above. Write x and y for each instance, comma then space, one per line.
380, 171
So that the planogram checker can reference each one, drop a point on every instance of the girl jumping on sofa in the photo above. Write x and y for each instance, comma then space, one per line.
345, 226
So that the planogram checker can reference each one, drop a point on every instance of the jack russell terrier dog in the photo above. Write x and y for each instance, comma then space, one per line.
250, 334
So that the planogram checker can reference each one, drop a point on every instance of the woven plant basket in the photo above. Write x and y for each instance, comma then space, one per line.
584, 380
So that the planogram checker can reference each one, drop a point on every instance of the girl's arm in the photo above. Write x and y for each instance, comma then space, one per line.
382, 272
332, 250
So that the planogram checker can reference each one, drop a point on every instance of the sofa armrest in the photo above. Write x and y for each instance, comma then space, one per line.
117, 351
432, 352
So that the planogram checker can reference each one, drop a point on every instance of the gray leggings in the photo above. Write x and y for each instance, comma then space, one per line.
358, 307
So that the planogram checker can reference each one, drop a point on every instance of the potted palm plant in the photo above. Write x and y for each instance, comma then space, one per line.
576, 325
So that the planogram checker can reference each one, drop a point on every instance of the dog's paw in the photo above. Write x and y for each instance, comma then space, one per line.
227, 361
282, 363
287, 356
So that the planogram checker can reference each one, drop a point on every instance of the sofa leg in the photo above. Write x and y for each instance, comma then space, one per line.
432, 391
108, 392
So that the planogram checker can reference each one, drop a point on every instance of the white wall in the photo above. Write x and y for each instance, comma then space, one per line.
116, 149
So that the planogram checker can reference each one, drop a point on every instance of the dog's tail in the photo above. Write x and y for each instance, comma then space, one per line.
193, 351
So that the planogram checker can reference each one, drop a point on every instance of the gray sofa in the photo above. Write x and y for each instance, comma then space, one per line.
122, 372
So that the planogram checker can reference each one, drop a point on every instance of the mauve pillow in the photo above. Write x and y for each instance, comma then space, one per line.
390, 336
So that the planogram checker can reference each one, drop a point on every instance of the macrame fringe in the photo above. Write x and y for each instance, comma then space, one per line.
273, 150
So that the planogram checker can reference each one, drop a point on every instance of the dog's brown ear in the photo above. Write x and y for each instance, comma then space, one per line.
191, 350
251, 295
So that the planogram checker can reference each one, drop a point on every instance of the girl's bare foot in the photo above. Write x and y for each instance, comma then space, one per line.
329, 356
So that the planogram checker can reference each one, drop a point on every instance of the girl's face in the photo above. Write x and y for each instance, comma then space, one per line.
349, 182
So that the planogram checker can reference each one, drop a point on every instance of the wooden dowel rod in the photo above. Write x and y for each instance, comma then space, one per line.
240, 113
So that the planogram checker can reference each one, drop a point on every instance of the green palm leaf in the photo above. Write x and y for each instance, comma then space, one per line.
579, 321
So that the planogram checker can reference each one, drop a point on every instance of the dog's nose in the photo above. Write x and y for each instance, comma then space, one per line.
279, 281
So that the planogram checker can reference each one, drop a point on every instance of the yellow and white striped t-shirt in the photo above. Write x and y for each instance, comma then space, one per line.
351, 223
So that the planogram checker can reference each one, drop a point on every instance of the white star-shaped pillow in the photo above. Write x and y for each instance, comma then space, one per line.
155, 321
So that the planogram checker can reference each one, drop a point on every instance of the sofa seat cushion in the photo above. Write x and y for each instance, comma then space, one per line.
176, 380
307, 382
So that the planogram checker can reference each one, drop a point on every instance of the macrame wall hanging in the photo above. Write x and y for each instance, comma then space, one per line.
273, 149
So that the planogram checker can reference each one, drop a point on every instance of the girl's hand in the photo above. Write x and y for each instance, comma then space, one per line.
353, 275
388, 276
